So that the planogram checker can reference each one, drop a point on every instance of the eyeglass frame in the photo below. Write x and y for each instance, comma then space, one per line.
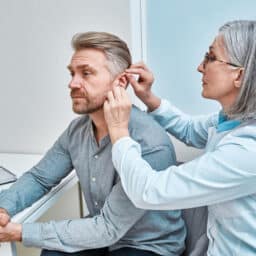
208, 58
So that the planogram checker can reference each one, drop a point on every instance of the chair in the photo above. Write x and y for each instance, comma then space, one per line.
196, 223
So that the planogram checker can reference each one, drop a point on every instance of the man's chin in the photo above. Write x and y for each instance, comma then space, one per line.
82, 111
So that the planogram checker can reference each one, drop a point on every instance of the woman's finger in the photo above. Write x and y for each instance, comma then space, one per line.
117, 93
137, 71
125, 95
134, 83
110, 96
144, 75
106, 106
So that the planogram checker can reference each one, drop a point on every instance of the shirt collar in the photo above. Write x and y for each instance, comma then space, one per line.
224, 124
103, 142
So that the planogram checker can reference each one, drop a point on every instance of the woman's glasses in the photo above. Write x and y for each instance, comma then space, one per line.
208, 58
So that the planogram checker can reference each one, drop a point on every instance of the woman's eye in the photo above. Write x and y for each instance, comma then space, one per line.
212, 58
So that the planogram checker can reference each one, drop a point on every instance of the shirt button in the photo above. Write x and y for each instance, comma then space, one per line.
96, 203
93, 179
96, 156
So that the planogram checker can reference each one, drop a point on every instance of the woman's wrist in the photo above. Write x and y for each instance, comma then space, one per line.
152, 102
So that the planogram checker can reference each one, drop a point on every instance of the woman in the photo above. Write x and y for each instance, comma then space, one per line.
224, 177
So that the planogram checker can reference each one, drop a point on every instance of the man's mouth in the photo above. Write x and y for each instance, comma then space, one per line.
76, 95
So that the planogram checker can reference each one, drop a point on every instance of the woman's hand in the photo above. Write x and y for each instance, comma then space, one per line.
142, 86
117, 108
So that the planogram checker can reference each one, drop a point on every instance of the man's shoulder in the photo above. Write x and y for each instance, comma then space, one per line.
157, 148
143, 128
139, 117
141, 121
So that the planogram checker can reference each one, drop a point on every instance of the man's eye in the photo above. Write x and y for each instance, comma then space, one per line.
71, 74
86, 73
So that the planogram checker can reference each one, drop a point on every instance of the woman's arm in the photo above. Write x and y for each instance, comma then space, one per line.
191, 130
222, 175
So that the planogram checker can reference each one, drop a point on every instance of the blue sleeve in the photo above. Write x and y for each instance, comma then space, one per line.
193, 131
36, 182
215, 177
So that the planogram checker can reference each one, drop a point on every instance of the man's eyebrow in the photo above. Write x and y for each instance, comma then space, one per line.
86, 66
69, 67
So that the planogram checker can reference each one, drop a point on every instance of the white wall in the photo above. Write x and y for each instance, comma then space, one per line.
35, 49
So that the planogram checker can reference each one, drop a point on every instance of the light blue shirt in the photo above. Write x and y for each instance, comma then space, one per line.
223, 178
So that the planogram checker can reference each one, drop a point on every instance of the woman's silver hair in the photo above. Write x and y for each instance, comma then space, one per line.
240, 42
115, 49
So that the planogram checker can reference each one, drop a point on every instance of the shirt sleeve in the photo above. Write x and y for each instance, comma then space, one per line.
54, 166
225, 174
116, 218
193, 131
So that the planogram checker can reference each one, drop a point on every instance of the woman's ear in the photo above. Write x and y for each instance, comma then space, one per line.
239, 77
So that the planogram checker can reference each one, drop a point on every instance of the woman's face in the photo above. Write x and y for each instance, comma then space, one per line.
220, 80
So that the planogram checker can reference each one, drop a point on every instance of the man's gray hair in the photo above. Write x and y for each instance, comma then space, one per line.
115, 49
240, 42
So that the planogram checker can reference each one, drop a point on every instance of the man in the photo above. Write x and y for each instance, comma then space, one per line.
114, 226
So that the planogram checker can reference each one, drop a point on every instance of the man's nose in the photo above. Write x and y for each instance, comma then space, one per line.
75, 83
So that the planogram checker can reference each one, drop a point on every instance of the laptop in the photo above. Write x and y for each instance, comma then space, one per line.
6, 176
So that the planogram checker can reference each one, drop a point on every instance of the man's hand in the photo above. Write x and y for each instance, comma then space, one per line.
4, 217
142, 86
11, 232
117, 109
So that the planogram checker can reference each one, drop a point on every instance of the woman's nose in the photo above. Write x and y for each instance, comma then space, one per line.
200, 68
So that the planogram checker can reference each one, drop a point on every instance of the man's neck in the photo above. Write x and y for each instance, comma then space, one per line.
100, 125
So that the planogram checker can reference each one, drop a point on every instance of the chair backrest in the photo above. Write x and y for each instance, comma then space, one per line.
196, 223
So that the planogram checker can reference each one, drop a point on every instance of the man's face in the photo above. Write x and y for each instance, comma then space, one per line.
90, 82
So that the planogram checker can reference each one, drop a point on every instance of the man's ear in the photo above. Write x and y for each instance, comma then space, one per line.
122, 80
239, 77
